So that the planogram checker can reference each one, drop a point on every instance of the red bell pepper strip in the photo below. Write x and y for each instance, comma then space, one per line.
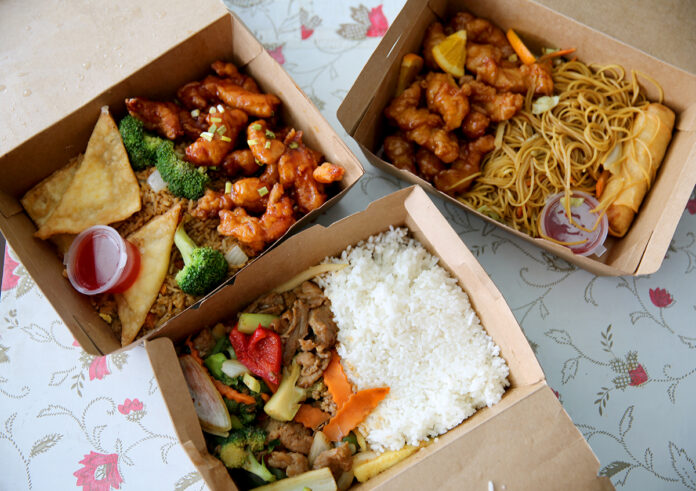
261, 352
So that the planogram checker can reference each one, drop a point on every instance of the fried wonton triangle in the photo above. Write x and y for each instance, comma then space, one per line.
154, 241
103, 189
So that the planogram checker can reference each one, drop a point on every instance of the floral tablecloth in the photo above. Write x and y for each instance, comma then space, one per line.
619, 352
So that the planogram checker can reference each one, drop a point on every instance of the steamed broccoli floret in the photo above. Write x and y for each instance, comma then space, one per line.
182, 178
204, 268
140, 145
238, 452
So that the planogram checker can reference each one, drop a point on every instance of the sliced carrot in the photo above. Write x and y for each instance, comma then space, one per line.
353, 412
265, 397
522, 51
230, 393
311, 416
337, 382
194, 351
602, 182
556, 54
519, 211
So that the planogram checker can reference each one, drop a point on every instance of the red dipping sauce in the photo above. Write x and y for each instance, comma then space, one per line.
554, 223
101, 261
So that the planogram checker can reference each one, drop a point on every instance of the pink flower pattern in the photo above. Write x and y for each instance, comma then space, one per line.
306, 32
638, 376
104, 464
98, 368
9, 279
660, 297
277, 54
128, 406
378, 23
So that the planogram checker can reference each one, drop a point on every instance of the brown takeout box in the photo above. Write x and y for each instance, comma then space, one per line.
525, 442
643, 248
184, 43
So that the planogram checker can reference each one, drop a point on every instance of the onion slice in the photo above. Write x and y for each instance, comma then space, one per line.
210, 407
236, 256
308, 274
156, 182
233, 368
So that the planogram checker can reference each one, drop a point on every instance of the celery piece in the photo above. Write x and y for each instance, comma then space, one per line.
249, 322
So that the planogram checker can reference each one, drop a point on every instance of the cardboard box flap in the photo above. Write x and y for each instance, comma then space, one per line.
56, 56
525, 442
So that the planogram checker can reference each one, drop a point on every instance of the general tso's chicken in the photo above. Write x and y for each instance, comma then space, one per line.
475, 124
263, 143
210, 204
193, 127
309, 194
428, 164
400, 152
250, 193
211, 147
498, 106
296, 156
229, 70
160, 117
239, 162
481, 31
270, 175
404, 110
258, 105
243, 227
538, 77
459, 177
327, 173
279, 215
442, 143
434, 35
446, 98
194, 96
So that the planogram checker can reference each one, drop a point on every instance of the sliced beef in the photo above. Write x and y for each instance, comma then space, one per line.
307, 344
204, 342
298, 329
310, 294
292, 462
293, 436
338, 460
272, 303
279, 325
324, 328
311, 368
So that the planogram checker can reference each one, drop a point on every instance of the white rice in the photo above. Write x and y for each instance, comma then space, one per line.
405, 323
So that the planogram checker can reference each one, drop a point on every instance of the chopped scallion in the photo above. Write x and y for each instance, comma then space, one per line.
195, 113
225, 138
212, 110
293, 145
207, 136
212, 128
220, 108
263, 191
216, 120
256, 127
228, 187
222, 130
267, 145
270, 134
251, 142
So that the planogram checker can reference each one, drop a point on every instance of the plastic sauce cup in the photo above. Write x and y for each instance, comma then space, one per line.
554, 223
101, 261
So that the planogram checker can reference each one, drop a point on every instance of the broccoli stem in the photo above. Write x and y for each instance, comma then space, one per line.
184, 243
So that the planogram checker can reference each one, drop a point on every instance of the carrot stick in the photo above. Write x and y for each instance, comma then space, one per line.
311, 416
556, 54
353, 412
230, 393
337, 382
602, 182
194, 352
522, 51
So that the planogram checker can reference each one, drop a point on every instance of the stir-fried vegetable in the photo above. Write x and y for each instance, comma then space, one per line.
249, 322
311, 417
261, 352
354, 411
337, 382
210, 408
318, 480
286, 401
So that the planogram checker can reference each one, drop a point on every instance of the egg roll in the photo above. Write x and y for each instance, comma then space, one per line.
633, 169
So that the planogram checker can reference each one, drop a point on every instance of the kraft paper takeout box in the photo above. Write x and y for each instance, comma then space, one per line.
643, 248
130, 49
525, 442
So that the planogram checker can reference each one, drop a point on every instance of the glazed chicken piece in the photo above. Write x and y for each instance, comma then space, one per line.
327, 173
459, 177
446, 98
249, 194
243, 227
437, 140
210, 204
475, 124
309, 194
194, 96
538, 76
404, 110
399, 151
481, 31
212, 150
498, 106
428, 164
270, 175
434, 35
240, 162
160, 117
279, 214
296, 168
193, 127
230, 71
292, 462
263, 143
257, 105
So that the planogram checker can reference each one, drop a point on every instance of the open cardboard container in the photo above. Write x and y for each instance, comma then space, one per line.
643, 248
208, 34
525, 442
